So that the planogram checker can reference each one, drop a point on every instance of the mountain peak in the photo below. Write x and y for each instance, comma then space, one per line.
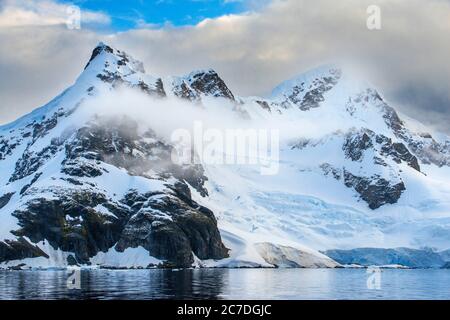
99, 49
210, 83
306, 91
202, 82
112, 56
321, 72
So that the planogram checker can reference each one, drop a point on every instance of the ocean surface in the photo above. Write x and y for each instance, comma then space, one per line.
295, 284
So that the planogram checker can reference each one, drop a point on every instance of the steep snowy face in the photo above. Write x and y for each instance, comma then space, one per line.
369, 163
84, 186
353, 171
307, 91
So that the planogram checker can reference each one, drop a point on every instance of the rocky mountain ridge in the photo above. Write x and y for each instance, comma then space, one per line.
83, 191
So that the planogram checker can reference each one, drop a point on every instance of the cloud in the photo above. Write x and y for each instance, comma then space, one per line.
39, 63
19, 13
407, 59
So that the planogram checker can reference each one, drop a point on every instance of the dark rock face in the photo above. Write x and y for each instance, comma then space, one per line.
314, 97
71, 224
399, 152
210, 83
355, 145
375, 190
429, 151
357, 142
392, 119
188, 227
86, 169
7, 147
423, 146
35, 178
118, 142
40, 129
309, 97
71, 261
30, 162
168, 223
19, 249
4, 199
157, 91
203, 82
185, 92
111, 77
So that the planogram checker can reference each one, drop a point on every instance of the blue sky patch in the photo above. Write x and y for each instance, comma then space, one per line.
137, 13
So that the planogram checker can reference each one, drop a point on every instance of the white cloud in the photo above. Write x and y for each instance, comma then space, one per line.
19, 13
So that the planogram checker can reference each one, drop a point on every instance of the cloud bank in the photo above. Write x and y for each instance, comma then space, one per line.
407, 59
19, 13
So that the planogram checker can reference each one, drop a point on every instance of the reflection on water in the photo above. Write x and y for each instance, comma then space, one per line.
226, 284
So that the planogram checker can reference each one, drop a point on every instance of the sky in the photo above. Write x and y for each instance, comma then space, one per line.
254, 45
129, 14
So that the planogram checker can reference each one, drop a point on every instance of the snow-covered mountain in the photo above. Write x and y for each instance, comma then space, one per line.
84, 183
